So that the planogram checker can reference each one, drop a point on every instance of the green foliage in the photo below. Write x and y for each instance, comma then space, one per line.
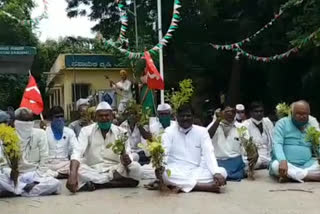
157, 152
11, 149
283, 110
242, 131
182, 96
119, 145
109, 25
313, 136
247, 144
137, 110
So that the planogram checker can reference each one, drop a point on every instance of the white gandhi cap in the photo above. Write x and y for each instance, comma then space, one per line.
103, 106
240, 107
164, 107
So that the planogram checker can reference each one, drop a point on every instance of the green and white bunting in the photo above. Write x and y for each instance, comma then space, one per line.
281, 11
124, 22
276, 57
176, 18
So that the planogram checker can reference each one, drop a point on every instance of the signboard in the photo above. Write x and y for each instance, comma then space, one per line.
16, 59
17, 51
91, 61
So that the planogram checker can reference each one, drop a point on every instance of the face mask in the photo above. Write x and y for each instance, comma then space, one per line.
57, 126
185, 131
24, 129
257, 122
299, 124
238, 116
105, 126
132, 120
165, 121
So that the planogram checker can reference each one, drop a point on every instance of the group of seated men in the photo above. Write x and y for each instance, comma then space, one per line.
199, 158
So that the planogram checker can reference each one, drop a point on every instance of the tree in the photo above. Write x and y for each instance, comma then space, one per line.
227, 21
12, 33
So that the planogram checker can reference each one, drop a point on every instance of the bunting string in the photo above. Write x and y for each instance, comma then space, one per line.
270, 58
122, 6
176, 18
281, 11
30, 22
276, 57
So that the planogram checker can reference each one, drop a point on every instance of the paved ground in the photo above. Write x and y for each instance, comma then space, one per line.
262, 196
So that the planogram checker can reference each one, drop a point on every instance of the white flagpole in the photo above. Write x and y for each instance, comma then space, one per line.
161, 50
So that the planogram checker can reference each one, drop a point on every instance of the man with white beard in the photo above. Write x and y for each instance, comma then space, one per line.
34, 178
260, 129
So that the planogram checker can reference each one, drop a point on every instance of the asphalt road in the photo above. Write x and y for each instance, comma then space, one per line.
262, 196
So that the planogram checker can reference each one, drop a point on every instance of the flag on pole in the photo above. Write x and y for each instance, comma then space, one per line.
154, 79
32, 97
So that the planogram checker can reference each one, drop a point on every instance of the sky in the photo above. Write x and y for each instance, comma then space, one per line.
58, 24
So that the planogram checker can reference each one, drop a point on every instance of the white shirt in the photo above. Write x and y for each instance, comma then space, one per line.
134, 136
156, 127
227, 146
262, 141
35, 153
3, 160
187, 151
91, 148
126, 93
314, 122
61, 149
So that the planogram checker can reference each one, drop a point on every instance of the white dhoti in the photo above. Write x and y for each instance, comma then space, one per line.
103, 173
187, 178
46, 185
294, 172
59, 166
148, 172
262, 163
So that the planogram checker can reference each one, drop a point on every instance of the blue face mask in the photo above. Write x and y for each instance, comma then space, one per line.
299, 124
57, 126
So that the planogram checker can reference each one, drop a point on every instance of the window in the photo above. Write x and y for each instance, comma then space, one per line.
80, 91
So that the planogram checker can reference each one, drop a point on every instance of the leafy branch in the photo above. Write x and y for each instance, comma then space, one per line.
178, 98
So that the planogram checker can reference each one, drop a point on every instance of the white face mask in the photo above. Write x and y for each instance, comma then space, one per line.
238, 116
185, 131
24, 129
257, 122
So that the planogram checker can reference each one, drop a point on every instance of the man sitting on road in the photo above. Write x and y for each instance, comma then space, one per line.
95, 166
190, 156
292, 154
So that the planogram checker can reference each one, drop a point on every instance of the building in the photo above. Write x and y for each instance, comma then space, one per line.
75, 76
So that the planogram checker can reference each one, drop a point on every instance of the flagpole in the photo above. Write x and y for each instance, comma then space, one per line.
160, 50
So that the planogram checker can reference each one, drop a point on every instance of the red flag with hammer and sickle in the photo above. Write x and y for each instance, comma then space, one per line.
154, 79
32, 97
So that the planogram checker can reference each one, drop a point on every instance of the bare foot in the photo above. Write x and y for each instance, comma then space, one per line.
215, 188
283, 180
251, 176
153, 185
175, 190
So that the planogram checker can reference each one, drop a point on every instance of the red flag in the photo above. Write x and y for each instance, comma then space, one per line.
154, 79
32, 97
